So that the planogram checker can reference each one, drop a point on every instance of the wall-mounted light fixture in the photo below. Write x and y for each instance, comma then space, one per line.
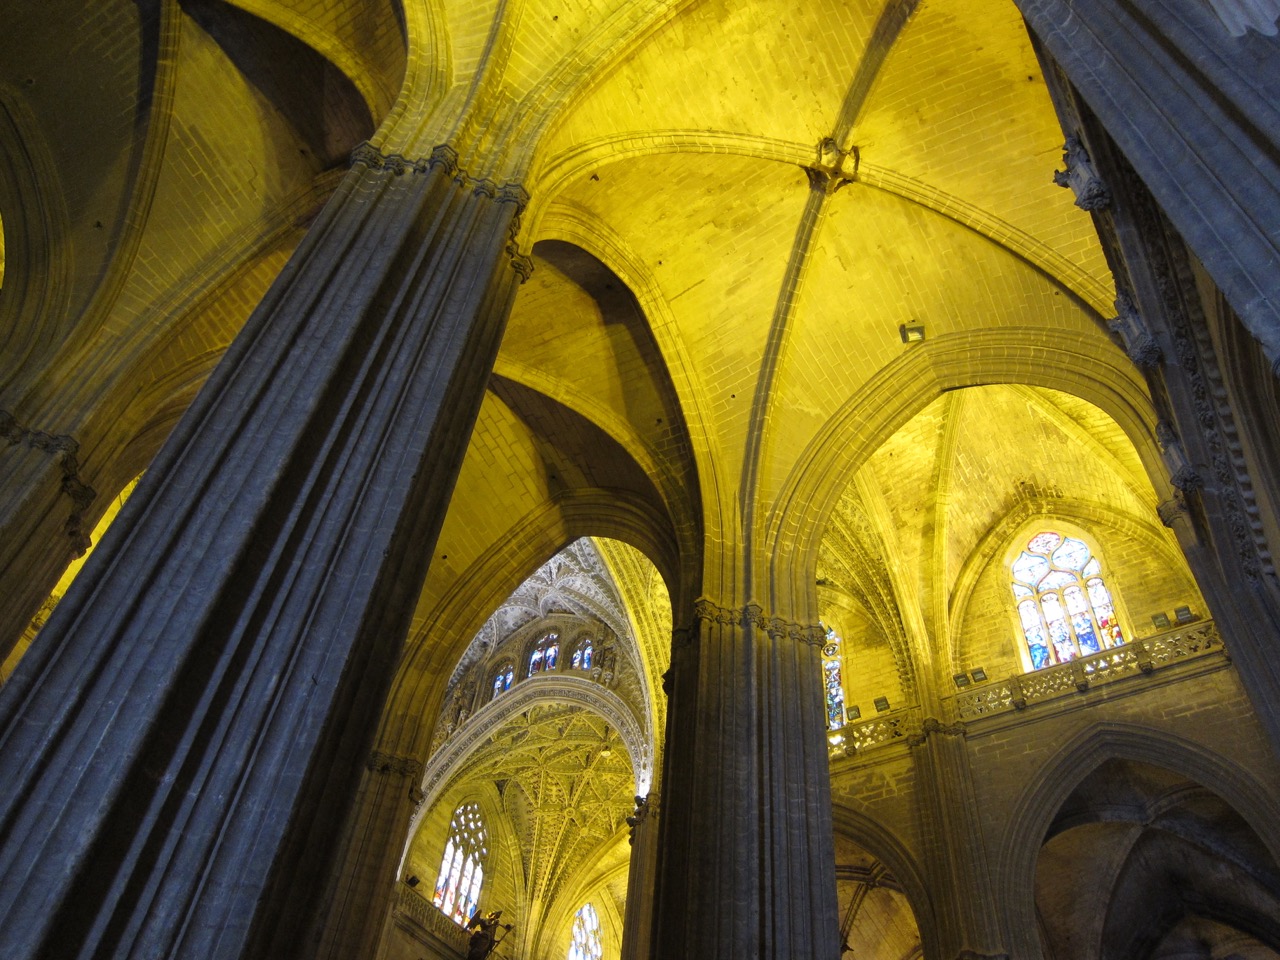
979, 675
961, 679
1183, 614
882, 704
1160, 621
912, 332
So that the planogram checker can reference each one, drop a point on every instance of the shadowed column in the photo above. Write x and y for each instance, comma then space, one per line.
179, 747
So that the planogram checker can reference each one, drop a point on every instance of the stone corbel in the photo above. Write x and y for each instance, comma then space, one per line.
1182, 474
1173, 509
1091, 193
1129, 326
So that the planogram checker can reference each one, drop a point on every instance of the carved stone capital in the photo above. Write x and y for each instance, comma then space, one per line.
380, 762
931, 726
65, 448
1080, 175
1173, 509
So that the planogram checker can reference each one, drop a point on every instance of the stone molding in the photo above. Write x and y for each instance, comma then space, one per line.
445, 157
752, 614
65, 447
380, 762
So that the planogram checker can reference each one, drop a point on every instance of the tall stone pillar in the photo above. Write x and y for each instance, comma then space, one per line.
178, 752
968, 924
747, 867
637, 924
363, 886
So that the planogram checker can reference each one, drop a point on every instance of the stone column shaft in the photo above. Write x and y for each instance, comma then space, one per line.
179, 749
747, 862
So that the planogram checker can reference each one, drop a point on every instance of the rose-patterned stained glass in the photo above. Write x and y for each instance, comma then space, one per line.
457, 892
586, 943
832, 680
502, 681
1064, 607
544, 654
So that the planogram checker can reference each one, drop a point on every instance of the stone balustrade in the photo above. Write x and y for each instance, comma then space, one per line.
1015, 693
1139, 656
427, 922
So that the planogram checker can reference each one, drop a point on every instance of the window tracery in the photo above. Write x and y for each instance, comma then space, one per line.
544, 654
586, 943
457, 892
502, 680
832, 680
581, 659
1064, 607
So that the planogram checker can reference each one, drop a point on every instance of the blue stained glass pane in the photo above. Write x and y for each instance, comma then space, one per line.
535, 661
1083, 627
1039, 655
552, 651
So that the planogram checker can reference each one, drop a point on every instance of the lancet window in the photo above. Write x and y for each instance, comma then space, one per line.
1064, 607
581, 659
502, 680
586, 944
544, 654
457, 891
833, 681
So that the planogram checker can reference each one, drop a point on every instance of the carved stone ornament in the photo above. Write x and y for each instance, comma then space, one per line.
1091, 193
1241, 16
1173, 509
932, 725
1129, 326
1181, 473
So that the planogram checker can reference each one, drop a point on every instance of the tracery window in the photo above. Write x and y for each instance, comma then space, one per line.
586, 943
544, 654
832, 680
581, 659
1064, 607
502, 680
462, 867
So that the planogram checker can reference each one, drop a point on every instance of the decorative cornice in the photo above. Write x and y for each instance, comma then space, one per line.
445, 158
65, 448
932, 725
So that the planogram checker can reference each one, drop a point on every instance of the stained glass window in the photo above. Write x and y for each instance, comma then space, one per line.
586, 943
1064, 607
462, 867
581, 659
502, 681
544, 654
832, 680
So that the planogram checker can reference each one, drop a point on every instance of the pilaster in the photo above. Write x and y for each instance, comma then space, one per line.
184, 742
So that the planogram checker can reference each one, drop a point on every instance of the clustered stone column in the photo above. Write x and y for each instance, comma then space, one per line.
184, 742
745, 866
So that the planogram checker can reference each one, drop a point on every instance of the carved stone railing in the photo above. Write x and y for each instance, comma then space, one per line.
1139, 656
428, 918
885, 728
